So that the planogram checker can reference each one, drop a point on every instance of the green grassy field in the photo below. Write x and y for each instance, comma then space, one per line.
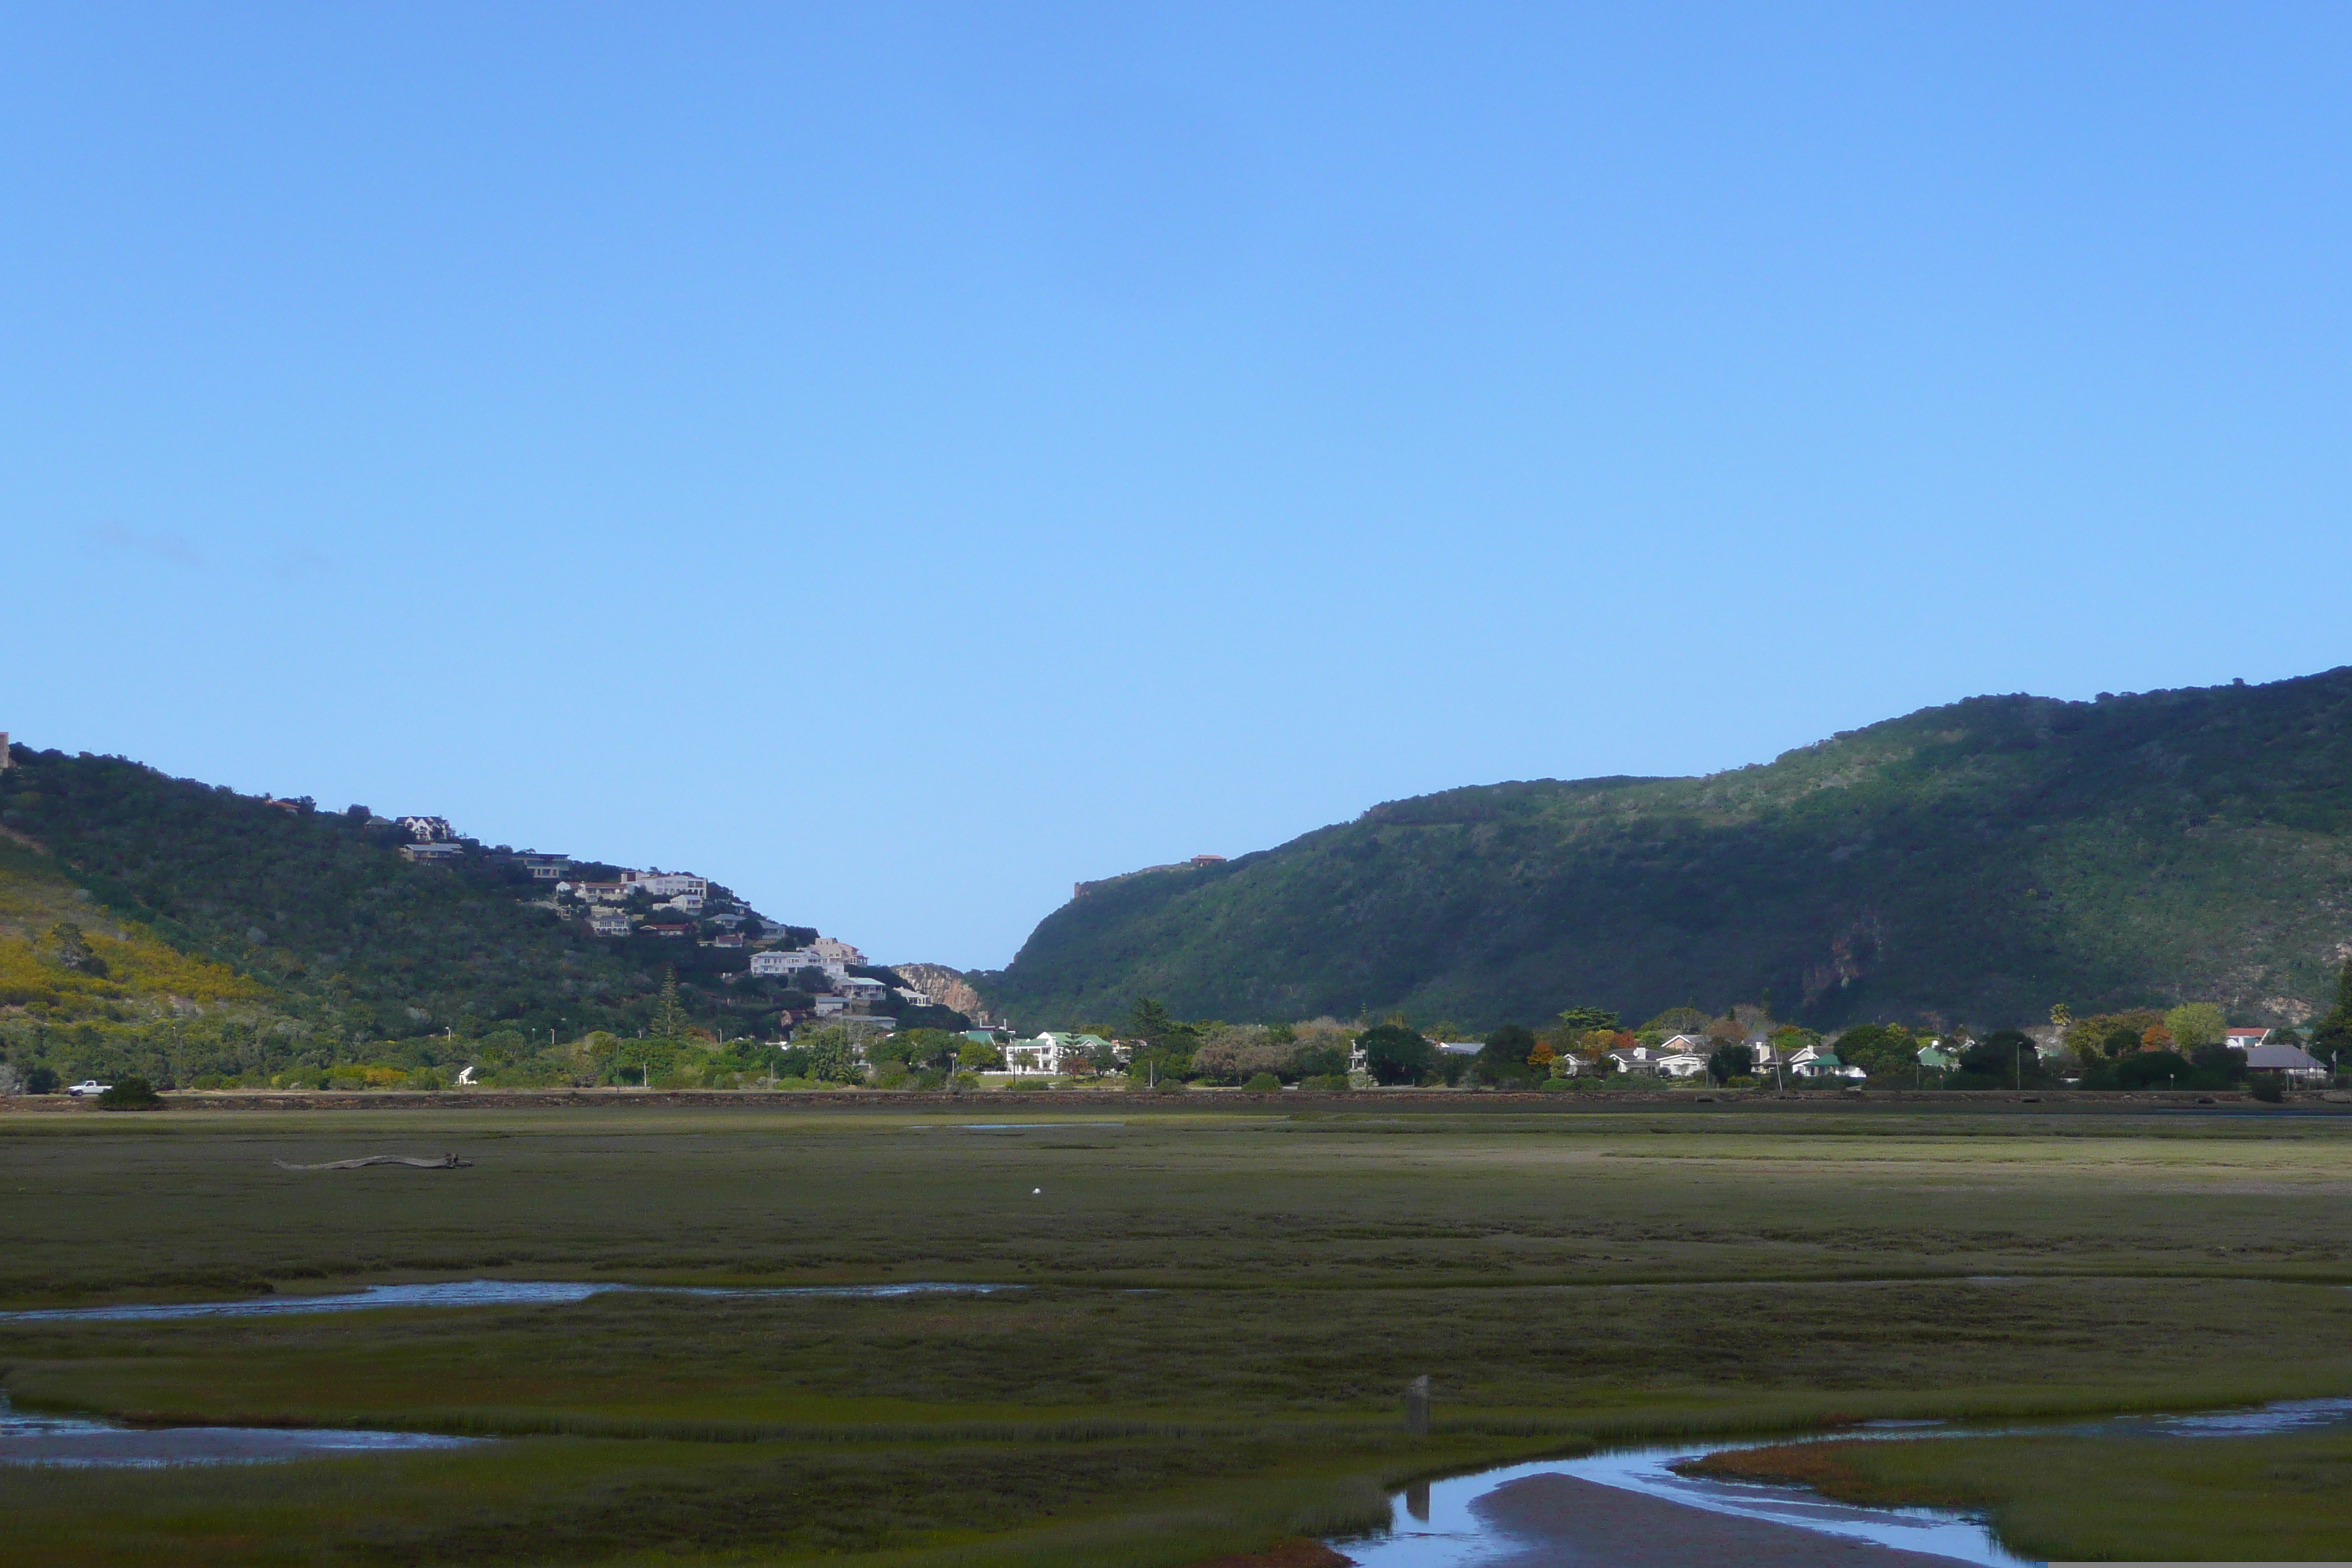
2269, 1499
1220, 1309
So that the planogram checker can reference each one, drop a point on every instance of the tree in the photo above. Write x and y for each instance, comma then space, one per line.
2197, 1024
1394, 1053
669, 1020
2155, 1070
2003, 1059
74, 951
1505, 1052
1151, 1023
2334, 1033
1319, 1050
1879, 1049
1577, 1020
2220, 1062
933, 1050
1508, 1047
1729, 1062
1594, 1044
1232, 1052
827, 1055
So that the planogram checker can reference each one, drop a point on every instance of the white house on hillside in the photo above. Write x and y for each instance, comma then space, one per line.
658, 884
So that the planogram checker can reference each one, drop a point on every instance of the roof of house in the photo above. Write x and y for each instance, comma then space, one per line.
2283, 1058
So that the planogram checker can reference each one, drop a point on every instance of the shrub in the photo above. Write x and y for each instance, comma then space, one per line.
41, 1081
2268, 1088
2153, 1069
129, 1094
1396, 1053
1263, 1083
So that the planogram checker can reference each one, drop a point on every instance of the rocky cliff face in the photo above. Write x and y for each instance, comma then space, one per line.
946, 986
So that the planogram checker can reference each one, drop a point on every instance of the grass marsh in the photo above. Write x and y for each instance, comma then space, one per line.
2078, 1498
1221, 1308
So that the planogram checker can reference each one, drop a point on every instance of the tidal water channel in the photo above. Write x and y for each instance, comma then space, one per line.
465, 1293
79, 1443
1459, 1522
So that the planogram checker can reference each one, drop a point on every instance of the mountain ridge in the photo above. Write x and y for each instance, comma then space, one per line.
1974, 861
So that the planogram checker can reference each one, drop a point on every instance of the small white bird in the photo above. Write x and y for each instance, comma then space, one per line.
1034, 1191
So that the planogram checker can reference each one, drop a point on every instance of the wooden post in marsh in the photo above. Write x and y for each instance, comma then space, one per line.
1416, 1407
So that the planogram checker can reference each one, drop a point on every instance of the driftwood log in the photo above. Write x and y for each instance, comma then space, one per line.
445, 1163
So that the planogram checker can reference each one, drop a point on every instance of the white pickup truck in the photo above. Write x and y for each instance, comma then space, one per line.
88, 1087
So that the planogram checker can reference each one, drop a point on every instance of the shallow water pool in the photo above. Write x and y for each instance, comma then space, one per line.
467, 1293
79, 1443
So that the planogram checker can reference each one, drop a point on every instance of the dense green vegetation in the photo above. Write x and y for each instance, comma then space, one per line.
1975, 863
1219, 1311
2079, 1498
189, 933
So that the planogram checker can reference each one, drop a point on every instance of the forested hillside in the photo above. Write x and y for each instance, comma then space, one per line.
155, 921
1977, 862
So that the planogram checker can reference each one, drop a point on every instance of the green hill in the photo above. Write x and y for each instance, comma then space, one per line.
172, 928
1977, 862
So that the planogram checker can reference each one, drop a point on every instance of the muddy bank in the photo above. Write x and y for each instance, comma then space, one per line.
1560, 1522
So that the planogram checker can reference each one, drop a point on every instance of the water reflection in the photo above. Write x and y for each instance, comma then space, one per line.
78, 1443
1442, 1527
465, 1293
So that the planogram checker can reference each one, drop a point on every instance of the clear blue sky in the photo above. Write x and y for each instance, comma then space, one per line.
900, 461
